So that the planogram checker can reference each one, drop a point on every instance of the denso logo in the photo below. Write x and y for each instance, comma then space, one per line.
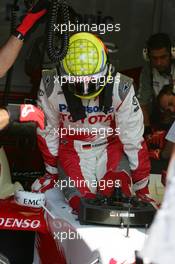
88, 109
20, 223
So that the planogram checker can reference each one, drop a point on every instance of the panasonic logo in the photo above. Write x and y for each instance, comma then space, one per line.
20, 223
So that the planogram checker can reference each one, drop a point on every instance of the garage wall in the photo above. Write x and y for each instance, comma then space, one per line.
168, 16
137, 18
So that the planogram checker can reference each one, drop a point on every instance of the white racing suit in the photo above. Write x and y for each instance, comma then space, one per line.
90, 150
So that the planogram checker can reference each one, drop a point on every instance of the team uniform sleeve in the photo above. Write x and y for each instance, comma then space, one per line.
48, 139
129, 118
171, 134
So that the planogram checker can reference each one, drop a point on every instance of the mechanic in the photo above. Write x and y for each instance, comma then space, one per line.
92, 99
165, 141
157, 72
166, 101
10, 50
166, 98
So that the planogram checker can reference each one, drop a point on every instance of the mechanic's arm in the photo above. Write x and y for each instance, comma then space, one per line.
130, 122
9, 53
11, 49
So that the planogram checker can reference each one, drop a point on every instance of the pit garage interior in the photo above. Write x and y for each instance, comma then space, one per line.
138, 19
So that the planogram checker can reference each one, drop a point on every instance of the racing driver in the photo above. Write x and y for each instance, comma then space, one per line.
94, 127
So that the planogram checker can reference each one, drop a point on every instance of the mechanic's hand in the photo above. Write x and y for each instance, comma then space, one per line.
155, 143
44, 183
34, 14
158, 138
154, 153
26, 113
31, 113
4, 118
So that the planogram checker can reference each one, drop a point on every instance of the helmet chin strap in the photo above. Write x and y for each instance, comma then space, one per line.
96, 93
86, 87
90, 96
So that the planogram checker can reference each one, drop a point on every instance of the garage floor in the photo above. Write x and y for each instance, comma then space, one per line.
17, 246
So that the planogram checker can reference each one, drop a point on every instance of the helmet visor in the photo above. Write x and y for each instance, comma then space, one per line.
84, 88
86, 85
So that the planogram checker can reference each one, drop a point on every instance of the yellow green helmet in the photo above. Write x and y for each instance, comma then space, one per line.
86, 55
86, 61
